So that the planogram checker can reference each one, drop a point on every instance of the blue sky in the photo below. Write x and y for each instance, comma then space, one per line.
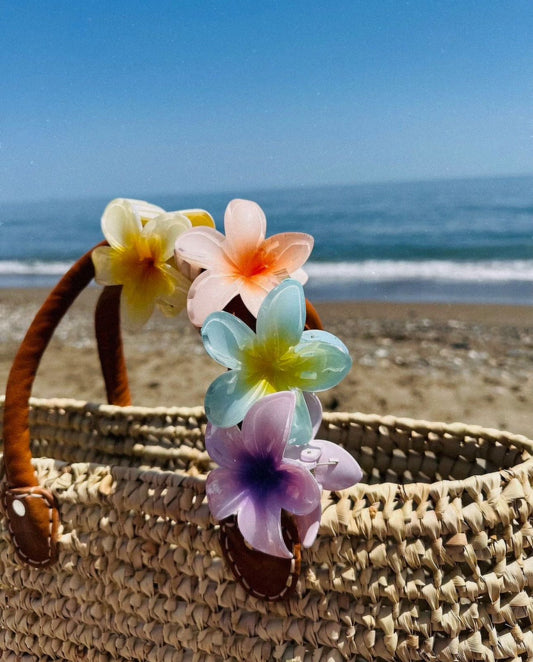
130, 98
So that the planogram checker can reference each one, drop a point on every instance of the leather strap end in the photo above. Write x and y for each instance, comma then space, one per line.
264, 576
33, 521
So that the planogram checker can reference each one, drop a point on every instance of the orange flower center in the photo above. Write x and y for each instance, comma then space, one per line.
256, 264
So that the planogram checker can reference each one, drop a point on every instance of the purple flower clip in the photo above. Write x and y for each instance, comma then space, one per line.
260, 474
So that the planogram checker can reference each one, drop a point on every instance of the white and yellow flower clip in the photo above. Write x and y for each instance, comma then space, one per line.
139, 257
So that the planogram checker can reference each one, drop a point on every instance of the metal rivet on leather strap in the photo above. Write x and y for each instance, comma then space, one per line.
18, 508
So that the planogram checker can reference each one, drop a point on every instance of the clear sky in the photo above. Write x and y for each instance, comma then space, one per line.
128, 98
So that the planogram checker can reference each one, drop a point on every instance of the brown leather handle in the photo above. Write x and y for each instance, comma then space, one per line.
110, 350
31, 511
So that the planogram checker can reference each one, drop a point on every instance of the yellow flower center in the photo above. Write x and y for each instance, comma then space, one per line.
277, 370
141, 265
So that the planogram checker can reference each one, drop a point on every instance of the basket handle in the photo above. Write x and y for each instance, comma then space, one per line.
31, 511
110, 349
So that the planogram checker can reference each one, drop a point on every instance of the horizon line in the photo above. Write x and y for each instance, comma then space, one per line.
266, 189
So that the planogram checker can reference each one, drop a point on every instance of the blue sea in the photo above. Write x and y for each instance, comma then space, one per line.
468, 240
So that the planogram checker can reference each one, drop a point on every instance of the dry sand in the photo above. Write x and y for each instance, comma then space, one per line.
436, 362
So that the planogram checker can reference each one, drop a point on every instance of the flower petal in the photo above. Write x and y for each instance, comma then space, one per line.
144, 211
209, 293
308, 526
166, 228
302, 427
180, 282
188, 270
245, 228
224, 493
224, 445
202, 246
300, 275
228, 398
266, 426
172, 304
253, 292
141, 289
281, 318
325, 336
224, 337
136, 306
336, 469
290, 250
120, 223
199, 217
321, 365
315, 411
104, 272
299, 492
260, 525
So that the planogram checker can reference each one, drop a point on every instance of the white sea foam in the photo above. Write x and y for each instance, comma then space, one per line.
16, 268
427, 270
490, 271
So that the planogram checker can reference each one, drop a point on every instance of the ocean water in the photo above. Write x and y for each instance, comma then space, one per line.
465, 240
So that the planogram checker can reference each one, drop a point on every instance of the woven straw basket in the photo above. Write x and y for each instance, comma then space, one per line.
108, 550
430, 559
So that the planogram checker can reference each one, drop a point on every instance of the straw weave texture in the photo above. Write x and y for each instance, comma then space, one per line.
429, 559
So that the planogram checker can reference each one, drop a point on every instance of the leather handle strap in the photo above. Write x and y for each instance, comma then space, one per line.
110, 349
31, 511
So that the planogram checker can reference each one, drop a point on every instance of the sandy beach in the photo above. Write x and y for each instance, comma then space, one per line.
436, 362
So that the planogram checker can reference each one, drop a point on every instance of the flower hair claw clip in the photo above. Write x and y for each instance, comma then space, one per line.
255, 480
266, 493
242, 263
279, 356
261, 474
140, 257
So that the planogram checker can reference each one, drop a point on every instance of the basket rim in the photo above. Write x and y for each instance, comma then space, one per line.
375, 421
389, 421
